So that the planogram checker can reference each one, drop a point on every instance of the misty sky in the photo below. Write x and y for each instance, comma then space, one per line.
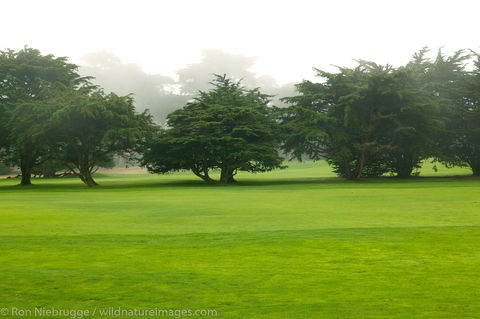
288, 37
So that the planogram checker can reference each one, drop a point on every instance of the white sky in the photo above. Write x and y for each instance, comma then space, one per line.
289, 37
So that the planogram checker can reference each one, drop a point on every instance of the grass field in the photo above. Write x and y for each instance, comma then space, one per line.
295, 243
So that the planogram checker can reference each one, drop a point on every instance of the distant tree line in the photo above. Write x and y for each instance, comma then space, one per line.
365, 121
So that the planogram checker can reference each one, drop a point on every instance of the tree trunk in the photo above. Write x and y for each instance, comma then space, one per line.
404, 164
26, 169
226, 175
404, 172
361, 163
404, 168
89, 181
26, 176
348, 172
86, 177
203, 176
475, 166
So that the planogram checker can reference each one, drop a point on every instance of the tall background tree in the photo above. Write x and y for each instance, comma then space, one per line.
162, 94
155, 92
228, 128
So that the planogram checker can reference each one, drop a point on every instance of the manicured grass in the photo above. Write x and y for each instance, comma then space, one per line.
295, 243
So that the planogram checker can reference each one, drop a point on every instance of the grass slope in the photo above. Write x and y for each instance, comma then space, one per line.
296, 243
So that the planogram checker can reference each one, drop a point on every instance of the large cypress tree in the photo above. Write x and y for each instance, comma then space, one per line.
91, 127
229, 128
26, 80
364, 121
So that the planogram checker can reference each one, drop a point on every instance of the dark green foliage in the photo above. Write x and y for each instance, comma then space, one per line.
336, 120
468, 133
53, 119
92, 127
412, 117
228, 128
365, 121
26, 78
461, 98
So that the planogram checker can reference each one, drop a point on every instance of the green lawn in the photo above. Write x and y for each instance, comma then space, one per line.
295, 243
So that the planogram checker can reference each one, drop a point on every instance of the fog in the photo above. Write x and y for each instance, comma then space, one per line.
287, 38
152, 91
164, 51
162, 94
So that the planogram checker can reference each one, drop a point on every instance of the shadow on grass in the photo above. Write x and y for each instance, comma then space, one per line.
128, 183
252, 237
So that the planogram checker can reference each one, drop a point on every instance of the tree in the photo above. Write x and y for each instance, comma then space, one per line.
26, 78
412, 118
460, 143
337, 120
173, 150
92, 127
365, 121
228, 128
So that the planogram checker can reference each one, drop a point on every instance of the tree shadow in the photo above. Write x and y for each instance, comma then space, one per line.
65, 185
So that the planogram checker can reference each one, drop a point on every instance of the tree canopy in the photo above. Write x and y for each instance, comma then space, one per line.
26, 80
364, 121
52, 117
91, 127
460, 97
229, 128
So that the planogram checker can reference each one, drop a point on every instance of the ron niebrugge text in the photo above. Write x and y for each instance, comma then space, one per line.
105, 312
